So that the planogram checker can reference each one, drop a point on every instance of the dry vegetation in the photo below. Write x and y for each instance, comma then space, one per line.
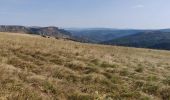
37, 68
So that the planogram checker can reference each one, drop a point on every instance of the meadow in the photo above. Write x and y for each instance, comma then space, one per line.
37, 68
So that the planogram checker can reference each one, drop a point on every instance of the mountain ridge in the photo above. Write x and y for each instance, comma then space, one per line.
151, 39
49, 31
97, 35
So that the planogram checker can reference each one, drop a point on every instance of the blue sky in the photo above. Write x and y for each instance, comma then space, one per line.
87, 13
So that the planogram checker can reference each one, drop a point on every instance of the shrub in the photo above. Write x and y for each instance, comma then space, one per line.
152, 78
167, 80
107, 65
144, 98
124, 72
130, 95
151, 88
49, 88
139, 84
165, 93
95, 61
80, 96
58, 60
20, 63
25, 94
139, 69
76, 65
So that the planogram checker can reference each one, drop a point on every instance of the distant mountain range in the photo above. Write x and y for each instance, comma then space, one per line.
97, 35
151, 39
155, 39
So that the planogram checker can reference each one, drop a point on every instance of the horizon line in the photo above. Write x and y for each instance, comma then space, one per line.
85, 27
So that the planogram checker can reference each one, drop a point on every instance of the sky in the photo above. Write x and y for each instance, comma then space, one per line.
136, 14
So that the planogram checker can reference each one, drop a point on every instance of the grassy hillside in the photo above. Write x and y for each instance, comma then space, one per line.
37, 68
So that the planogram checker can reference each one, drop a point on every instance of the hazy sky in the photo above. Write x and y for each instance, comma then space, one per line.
87, 13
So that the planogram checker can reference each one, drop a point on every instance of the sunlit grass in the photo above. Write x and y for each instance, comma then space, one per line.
38, 68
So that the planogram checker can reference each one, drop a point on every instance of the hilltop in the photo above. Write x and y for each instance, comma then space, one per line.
37, 68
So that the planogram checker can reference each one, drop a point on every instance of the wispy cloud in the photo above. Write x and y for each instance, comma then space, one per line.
138, 6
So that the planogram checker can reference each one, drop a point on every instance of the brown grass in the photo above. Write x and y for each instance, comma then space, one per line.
37, 68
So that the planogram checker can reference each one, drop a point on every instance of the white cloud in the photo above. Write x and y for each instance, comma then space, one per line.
138, 6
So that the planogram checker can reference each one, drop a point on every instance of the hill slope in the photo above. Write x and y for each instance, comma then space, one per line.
152, 39
97, 35
37, 68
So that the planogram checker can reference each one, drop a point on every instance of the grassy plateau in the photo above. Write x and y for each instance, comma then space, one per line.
38, 68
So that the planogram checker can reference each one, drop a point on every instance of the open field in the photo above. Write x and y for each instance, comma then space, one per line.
37, 68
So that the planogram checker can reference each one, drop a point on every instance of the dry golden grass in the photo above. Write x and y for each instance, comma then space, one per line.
37, 68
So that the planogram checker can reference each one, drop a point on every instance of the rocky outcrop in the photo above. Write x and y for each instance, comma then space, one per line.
48, 31
18, 29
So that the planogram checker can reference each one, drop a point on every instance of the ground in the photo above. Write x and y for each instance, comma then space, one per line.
37, 68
